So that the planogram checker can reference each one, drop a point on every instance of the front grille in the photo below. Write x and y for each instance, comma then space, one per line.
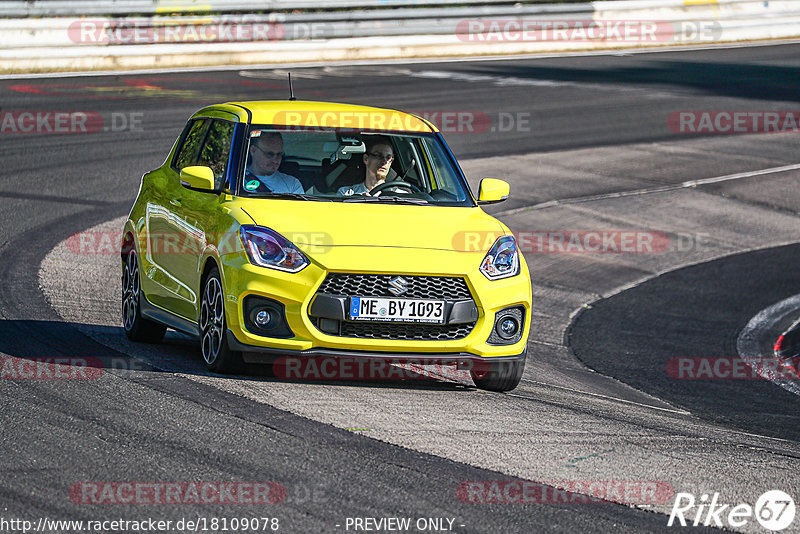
378, 330
377, 285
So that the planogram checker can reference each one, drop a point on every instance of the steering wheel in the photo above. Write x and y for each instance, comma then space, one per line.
411, 188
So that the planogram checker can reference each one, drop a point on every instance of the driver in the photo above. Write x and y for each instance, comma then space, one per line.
263, 176
378, 166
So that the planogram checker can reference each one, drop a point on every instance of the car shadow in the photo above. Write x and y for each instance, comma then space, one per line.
78, 350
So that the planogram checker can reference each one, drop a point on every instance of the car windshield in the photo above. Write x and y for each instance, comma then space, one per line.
347, 166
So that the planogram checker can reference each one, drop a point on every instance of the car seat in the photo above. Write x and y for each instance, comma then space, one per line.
341, 173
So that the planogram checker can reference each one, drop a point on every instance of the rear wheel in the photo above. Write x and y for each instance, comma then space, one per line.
213, 327
137, 328
498, 376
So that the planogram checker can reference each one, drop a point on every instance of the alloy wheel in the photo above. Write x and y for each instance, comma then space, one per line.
212, 320
130, 291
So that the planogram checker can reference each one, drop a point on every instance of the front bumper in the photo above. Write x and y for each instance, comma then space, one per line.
265, 355
297, 292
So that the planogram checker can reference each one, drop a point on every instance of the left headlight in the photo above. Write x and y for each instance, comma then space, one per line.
267, 248
502, 260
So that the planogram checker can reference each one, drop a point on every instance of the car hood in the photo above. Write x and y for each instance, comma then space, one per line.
310, 224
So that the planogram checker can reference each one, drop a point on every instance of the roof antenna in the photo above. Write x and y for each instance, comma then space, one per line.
291, 90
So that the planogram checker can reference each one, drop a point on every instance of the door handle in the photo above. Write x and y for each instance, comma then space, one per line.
175, 202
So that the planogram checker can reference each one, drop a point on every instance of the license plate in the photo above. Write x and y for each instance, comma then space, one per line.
397, 310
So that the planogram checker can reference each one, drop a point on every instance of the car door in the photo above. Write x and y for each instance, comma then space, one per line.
201, 213
165, 255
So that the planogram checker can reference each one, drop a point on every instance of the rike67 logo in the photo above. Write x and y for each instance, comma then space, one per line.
774, 510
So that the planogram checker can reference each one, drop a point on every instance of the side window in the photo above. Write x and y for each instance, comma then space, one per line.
216, 149
187, 153
443, 172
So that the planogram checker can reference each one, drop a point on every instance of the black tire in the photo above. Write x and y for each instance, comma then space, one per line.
137, 328
498, 376
218, 357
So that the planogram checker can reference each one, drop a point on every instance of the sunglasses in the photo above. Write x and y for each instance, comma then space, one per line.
269, 154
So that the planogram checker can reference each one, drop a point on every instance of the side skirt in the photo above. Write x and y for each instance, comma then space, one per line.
169, 319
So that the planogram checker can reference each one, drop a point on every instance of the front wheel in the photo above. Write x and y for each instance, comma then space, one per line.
137, 328
213, 327
498, 376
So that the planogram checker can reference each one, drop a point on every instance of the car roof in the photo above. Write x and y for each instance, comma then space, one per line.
323, 114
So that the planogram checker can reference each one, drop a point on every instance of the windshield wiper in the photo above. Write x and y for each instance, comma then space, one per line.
360, 198
296, 196
393, 199
404, 200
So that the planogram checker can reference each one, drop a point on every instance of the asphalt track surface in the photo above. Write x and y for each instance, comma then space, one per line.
595, 402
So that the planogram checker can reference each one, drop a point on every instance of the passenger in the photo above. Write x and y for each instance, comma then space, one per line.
378, 166
262, 175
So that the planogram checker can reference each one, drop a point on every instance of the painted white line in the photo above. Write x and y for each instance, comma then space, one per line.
378, 62
649, 190
760, 436
676, 411
749, 174
598, 396
748, 343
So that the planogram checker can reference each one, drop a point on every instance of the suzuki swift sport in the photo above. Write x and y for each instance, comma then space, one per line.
306, 229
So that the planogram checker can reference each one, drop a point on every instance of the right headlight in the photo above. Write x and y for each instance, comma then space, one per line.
267, 248
502, 260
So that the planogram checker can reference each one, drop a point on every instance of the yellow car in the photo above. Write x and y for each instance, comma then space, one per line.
308, 229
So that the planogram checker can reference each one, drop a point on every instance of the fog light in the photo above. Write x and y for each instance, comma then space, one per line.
265, 317
262, 318
509, 327
508, 324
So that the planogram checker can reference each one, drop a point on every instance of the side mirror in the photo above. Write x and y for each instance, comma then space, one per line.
492, 191
198, 177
